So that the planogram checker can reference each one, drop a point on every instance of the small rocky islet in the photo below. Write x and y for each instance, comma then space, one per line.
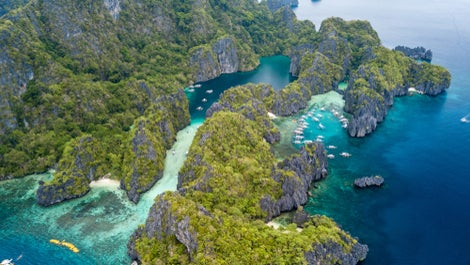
110, 114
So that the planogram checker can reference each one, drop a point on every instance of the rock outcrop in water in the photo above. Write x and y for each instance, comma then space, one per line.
365, 182
75, 172
418, 53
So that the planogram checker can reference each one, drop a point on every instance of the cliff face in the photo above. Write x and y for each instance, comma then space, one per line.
210, 62
295, 175
377, 81
79, 66
296, 54
76, 170
141, 158
318, 74
151, 137
16, 72
182, 231
418, 53
250, 101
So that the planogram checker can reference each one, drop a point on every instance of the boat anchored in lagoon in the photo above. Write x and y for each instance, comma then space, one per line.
70, 246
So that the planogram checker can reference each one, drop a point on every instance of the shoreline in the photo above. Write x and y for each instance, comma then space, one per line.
105, 183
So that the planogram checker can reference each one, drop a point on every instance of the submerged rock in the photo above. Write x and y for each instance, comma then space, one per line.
365, 182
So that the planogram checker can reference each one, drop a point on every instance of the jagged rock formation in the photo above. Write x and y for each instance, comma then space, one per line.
250, 101
331, 252
182, 231
85, 159
295, 176
376, 82
296, 54
365, 182
319, 74
418, 53
151, 137
163, 222
76, 170
210, 62
87, 67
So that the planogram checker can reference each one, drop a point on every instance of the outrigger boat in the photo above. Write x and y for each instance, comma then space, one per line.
70, 246
7, 262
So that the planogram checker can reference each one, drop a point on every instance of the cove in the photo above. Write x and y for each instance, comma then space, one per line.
101, 223
420, 216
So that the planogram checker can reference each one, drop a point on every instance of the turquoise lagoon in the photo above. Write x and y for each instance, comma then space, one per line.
420, 216
101, 223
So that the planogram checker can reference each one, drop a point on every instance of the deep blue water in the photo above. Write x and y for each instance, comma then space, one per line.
421, 215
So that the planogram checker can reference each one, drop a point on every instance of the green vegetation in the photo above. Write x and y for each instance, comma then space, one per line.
84, 72
229, 166
241, 242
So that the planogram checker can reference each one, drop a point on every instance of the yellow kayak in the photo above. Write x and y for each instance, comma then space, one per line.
70, 246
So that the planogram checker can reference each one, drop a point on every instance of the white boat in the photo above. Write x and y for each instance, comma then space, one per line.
331, 147
315, 119
197, 85
330, 156
465, 118
191, 90
297, 142
209, 91
204, 100
199, 108
345, 154
308, 141
7, 262
321, 126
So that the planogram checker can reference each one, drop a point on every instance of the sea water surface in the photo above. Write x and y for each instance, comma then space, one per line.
421, 215
101, 223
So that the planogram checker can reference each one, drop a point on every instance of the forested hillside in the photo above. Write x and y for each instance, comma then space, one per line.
71, 68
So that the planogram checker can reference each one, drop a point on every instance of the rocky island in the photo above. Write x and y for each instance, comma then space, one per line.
94, 88
364, 182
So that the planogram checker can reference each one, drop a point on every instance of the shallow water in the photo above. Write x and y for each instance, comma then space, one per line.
101, 223
421, 214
